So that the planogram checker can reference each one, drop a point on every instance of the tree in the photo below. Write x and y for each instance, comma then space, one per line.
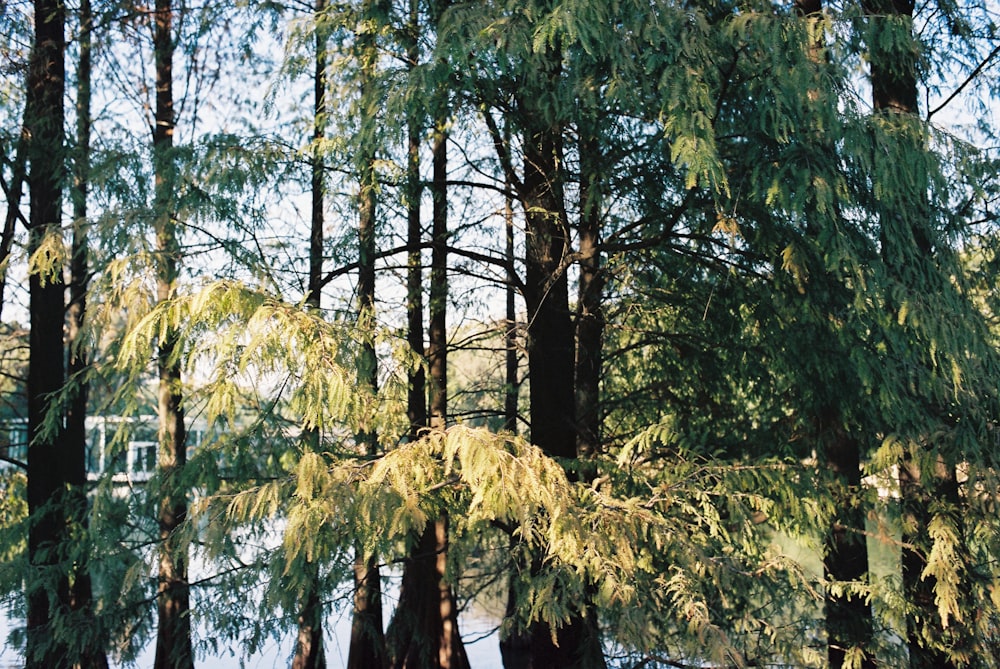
917, 258
173, 636
367, 637
424, 630
49, 459
309, 653
94, 652
740, 288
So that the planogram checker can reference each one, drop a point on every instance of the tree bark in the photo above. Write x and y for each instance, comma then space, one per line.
511, 381
849, 622
173, 635
416, 404
589, 316
47, 588
551, 342
13, 193
589, 337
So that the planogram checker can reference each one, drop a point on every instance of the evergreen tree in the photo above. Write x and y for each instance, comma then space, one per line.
173, 637
49, 460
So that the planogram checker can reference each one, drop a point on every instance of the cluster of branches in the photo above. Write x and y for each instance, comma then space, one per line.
651, 319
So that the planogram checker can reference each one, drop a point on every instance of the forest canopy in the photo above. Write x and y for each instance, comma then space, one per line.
665, 329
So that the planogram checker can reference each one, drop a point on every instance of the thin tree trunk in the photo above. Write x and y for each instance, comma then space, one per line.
416, 405
589, 338
173, 634
450, 650
93, 655
424, 633
590, 318
408, 641
368, 648
411, 635
511, 382
309, 651
47, 456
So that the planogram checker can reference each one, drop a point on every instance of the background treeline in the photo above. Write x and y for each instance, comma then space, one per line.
671, 324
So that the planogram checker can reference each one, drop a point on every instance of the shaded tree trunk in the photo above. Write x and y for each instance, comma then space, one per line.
589, 337
408, 642
47, 587
511, 381
173, 634
13, 193
416, 404
551, 343
589, 316
849, 623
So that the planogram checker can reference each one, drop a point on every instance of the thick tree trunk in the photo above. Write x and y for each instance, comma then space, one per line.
309, 648
309, 653
546, 291
173, 634
849, 623
551, 346
48, 458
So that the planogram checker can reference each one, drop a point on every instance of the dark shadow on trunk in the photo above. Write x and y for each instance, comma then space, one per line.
49, 459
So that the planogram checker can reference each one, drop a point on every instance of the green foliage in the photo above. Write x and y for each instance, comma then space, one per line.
773, 254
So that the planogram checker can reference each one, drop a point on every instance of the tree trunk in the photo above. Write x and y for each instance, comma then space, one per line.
13, 195
849, 621
589, 317
48, 459
408, 642
589, 337
368, 648
93, 655
426, 619
551, 343
416, 403
173, 635
309, 653
511, 382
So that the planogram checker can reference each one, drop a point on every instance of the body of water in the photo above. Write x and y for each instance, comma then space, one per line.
477, 626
